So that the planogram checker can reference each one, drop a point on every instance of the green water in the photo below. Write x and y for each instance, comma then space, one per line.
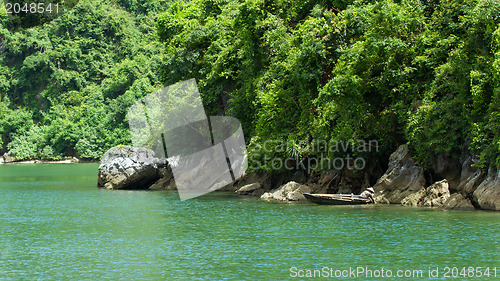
56, 225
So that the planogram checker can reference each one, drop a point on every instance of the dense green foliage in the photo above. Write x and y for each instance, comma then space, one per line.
423, 72
65, 85
300, 72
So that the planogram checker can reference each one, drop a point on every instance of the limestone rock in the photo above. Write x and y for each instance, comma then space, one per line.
464, 187
9, 158
469, 185
470, 177
291, 191
436, 194
126, 167
487, 194
267, 196
295, 196
413, 199
458, 201
264, 179
251, 189
402, 179
467, 169
433, 196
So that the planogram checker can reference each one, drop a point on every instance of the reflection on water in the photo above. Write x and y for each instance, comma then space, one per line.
55, 224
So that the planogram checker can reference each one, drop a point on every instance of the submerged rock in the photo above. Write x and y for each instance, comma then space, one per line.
127, 167
291, 191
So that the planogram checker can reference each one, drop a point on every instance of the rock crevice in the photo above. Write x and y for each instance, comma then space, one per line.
404, 183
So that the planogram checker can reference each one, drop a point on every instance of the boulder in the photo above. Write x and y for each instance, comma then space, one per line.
297, 195
459, 202
263, 179
436, 194
402, 179
268, 196
1, 160
412, 199
433, 196
251, 189
487, 194
126, 167
291, 191
266, 180
464, 186
9, 158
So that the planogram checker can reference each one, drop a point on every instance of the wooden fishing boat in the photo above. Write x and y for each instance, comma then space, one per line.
337, 199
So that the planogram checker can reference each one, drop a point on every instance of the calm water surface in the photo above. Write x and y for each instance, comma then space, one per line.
56, 225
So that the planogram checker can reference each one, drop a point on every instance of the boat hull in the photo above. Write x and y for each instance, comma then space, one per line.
336, 199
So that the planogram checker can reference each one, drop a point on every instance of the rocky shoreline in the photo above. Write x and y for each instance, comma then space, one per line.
11, 160
450, 184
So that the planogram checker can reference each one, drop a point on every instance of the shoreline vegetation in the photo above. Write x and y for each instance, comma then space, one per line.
403, 183
73, 160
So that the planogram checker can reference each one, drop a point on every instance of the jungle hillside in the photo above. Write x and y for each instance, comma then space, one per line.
422, 72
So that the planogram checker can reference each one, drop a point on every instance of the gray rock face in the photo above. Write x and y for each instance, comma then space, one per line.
254, 189
402, 179
291, 191
458, 201
266, 181
436, 194
126, 167
469, 184
487, 194
464, 187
